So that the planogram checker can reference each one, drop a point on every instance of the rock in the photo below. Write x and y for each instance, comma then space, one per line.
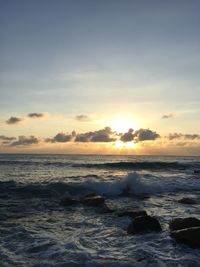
93, 201
132, 213
186, 200
68, 201
196, 171
143, 224
182, 223
188, 236
93, 194
106, 209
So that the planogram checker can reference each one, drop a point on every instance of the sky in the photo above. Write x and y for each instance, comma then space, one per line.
91, 76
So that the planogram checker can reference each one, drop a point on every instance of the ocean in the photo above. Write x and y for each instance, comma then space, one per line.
36, 230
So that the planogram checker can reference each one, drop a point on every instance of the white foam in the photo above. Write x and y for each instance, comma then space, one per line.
137, 184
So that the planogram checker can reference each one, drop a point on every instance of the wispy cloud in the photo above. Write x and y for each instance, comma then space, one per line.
174, 136
36, 115
82, 118
168, 116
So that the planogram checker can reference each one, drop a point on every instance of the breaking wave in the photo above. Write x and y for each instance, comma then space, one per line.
134, 183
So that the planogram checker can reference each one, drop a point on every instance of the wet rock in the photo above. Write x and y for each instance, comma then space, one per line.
196, 171
93, 194
132, 213
93, 201
182, 223
143, 224
186, 200
188, 236
105, 209
68, 201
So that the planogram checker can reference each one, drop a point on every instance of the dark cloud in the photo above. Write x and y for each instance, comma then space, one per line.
6, 140
61, 138
127, 137
82, 118
25, 141
145, 135
174, 136
104, 135
35, 115
14, 120
168, 116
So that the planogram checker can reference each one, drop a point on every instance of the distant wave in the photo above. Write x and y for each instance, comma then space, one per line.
121, 165
145, 165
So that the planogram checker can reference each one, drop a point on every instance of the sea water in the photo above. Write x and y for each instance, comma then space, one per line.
35, 230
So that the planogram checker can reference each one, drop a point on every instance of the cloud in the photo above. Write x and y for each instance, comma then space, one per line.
14, 120
6, 139
36, 115
174, 136
25, 141
145, 135
104, 135
61, 138
127, 137
82, 118
168, 116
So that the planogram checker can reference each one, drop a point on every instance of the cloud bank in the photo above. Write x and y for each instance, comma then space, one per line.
25, 141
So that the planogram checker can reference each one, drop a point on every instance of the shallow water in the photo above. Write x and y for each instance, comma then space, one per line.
35, 230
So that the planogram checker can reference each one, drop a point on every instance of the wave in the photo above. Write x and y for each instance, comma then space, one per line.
145, 165
120, 165
135, 183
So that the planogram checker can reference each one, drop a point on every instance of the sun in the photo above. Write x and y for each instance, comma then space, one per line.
124, 146
122, 124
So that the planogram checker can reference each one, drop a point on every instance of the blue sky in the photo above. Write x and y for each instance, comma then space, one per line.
100, 59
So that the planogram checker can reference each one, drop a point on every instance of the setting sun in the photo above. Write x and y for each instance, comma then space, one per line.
122, 124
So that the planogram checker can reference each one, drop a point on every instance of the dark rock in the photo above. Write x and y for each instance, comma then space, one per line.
93, 201
143, 224
68, 201
182, 223
93, 194
196, 171
188, 236
106, 209
132, 213
186, 200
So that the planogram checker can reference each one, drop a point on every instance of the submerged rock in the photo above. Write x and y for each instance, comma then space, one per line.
68, 201
182, 223
93, 201
132, 213
186, 200
143, 224
188, 236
